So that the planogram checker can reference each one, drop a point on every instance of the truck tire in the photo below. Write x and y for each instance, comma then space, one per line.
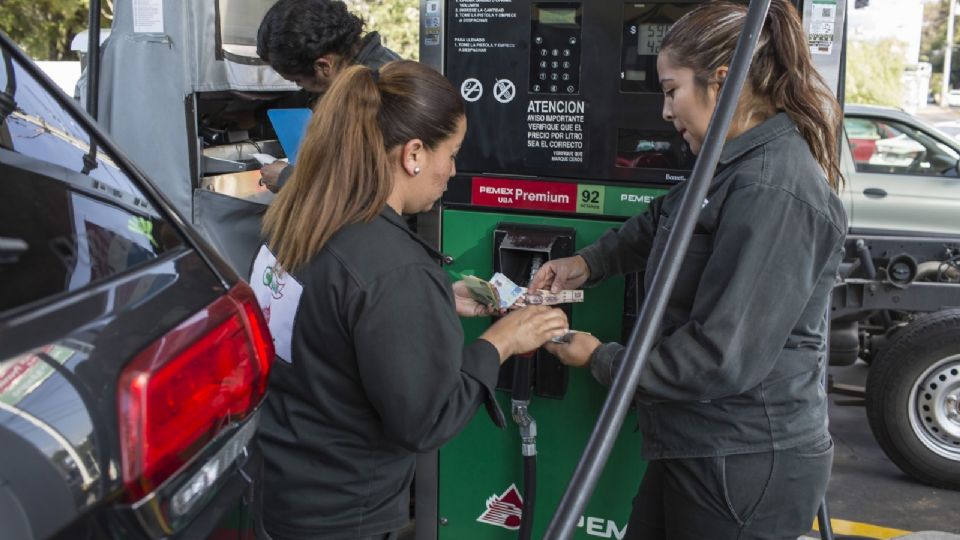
913, 399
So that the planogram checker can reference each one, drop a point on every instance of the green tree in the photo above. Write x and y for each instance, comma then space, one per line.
44, 28
398, 22
874, 71
933, 39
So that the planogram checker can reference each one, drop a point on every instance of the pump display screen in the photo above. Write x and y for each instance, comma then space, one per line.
644, 27
553, 16
651, 36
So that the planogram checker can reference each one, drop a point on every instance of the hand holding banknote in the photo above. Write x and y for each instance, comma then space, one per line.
475, 297
560, 274
575, 349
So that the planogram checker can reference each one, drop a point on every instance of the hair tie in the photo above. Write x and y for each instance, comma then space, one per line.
375, 73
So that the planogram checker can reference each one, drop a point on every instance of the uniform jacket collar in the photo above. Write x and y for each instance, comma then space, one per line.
756, 137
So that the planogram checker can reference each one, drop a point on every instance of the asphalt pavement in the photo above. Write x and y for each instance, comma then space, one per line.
934, 114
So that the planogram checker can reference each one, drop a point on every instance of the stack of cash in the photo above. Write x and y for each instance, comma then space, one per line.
481, 291
503, 293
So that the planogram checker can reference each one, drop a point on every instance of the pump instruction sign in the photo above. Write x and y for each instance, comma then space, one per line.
539, 80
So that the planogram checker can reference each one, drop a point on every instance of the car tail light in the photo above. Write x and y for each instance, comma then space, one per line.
179, 393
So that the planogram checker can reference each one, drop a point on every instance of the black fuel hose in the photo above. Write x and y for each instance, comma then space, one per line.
520, 401
529, 496
823, 520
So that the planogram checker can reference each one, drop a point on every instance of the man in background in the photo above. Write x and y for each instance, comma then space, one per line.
309, 42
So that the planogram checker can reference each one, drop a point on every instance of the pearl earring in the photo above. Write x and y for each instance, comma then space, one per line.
416, 170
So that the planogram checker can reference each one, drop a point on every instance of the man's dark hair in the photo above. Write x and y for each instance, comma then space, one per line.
294, 33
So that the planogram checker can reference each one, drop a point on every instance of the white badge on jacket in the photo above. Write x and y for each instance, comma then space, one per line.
279, 296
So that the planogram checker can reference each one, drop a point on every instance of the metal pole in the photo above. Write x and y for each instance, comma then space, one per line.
93, 58
598, 448
93, 80
947, 54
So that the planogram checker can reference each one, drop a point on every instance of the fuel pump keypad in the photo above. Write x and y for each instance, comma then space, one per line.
555, 71
555, 58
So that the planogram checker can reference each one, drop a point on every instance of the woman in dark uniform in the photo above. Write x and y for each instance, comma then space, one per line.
730, 402
371, 365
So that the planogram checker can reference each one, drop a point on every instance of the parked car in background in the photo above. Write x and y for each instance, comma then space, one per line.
133, 361
901, 173
953, 97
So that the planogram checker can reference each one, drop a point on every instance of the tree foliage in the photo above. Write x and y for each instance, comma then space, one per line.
934, 33
934, 39
44, 28
397, 21
874, 71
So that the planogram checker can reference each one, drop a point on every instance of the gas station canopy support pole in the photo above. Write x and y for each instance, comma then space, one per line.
947, 56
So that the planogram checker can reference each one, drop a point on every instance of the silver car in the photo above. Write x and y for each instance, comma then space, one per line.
901, 173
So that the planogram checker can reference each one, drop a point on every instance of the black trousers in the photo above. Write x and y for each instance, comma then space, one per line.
769, 495
262, 534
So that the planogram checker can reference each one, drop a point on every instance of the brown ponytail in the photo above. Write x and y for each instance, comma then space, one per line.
782, 73
341, 175
343, 171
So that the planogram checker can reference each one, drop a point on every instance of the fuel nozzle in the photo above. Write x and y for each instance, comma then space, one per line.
520, 403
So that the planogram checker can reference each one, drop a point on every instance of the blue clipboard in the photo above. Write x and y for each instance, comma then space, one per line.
290, 126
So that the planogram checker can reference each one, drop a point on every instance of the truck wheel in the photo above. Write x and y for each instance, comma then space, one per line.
913, 399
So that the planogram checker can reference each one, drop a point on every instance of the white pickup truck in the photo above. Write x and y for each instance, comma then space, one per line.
898, 303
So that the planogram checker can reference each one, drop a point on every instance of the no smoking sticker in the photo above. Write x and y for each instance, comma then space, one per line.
471, 90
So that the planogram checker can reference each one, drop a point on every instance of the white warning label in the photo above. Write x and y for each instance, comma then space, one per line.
822, 26
557, 129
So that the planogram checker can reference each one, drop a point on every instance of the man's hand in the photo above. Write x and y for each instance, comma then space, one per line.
559, 274
270, 175
577, 352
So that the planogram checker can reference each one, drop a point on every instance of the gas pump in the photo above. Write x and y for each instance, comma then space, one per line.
565, 140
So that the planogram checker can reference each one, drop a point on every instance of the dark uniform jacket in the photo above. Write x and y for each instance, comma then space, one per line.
373, 55
740, 355
377, 372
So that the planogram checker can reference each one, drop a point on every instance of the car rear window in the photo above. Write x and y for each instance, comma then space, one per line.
69, 216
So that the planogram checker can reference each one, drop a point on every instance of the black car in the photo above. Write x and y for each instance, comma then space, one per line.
133, 360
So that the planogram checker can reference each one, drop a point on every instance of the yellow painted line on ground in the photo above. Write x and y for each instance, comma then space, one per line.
853, 528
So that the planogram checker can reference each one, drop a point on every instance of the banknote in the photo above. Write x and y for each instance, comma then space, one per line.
507, 291
568, 336
544, 297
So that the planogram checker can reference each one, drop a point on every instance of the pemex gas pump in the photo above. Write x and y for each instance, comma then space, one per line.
565, 140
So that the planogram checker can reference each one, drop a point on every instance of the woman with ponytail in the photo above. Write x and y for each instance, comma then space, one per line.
371, 366
730, 402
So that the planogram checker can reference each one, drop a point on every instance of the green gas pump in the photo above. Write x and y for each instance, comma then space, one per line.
565, 140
